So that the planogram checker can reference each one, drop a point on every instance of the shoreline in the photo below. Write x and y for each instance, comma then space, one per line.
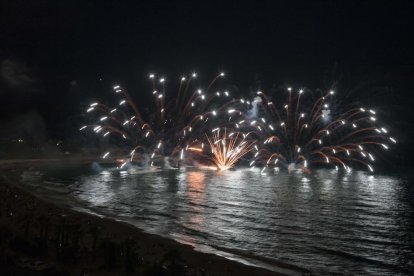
67, 240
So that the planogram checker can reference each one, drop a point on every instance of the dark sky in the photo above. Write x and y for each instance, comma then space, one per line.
54, 52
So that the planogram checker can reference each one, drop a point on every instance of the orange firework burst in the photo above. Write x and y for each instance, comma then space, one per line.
226, 150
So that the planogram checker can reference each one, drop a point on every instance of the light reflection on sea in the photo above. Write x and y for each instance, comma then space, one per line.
327, 222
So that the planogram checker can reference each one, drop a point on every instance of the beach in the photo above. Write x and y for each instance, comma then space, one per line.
41, 238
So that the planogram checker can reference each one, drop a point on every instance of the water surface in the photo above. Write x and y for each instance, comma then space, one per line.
329, 222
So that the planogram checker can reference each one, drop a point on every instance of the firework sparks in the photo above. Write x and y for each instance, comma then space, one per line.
300, 133
226, 150
170, 129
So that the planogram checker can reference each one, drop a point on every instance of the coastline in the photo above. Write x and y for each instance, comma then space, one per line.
39, 236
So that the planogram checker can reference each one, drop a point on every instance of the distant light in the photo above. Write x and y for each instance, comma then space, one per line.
162, 80
222, 74
194, 75
151, 76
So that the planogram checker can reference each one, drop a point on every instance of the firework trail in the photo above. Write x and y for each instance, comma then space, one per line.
175, 125
303, 131
226, 150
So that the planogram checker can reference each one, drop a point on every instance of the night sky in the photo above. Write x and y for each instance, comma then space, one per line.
54, 53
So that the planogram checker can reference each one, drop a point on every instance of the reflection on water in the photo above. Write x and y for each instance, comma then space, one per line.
328, 222
196, 197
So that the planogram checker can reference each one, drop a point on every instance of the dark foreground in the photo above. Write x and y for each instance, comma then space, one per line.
39, 238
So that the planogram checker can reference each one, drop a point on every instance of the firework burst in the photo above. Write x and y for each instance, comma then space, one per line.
167, 131
304, 131
227, 149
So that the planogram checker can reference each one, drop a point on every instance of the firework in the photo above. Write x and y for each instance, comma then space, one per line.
304, 131
169, 130
227, 149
